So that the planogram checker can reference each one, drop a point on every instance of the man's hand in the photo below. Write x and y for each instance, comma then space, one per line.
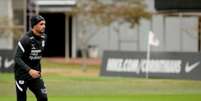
34, 74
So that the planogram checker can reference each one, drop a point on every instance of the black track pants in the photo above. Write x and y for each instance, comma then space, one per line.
35, 85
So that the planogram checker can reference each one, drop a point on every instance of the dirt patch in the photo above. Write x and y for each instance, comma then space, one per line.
87, 71
70, 72
89, 61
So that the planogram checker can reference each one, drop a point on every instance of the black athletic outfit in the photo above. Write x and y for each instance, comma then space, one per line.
28, 55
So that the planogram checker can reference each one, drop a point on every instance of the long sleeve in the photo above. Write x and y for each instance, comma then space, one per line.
19, 61
20, 52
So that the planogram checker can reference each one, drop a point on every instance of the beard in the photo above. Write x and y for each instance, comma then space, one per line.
41, 31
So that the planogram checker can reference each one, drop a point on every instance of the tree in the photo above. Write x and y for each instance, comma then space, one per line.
8, 27
104, 13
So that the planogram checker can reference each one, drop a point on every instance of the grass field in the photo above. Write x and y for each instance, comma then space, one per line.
68, 82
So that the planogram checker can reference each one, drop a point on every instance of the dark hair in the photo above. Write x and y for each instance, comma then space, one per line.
36, 19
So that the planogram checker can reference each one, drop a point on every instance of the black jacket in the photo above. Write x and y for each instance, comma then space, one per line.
28, 55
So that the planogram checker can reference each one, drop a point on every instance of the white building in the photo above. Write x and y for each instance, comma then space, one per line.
177, 32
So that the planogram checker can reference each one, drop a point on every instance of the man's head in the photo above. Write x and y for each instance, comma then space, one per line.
38, 24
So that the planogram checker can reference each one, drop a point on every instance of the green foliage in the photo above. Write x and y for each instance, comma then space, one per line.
7, 27
102, 13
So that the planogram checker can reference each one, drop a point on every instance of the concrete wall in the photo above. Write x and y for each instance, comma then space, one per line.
6, 15
176, 34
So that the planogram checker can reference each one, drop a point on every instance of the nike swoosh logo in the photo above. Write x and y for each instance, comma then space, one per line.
8, 63
189, 68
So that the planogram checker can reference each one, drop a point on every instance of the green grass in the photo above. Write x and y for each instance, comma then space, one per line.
116, 98
96, 88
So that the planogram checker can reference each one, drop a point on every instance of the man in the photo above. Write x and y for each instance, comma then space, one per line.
27, 61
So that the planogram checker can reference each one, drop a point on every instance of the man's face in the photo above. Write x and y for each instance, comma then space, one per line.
40, 27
